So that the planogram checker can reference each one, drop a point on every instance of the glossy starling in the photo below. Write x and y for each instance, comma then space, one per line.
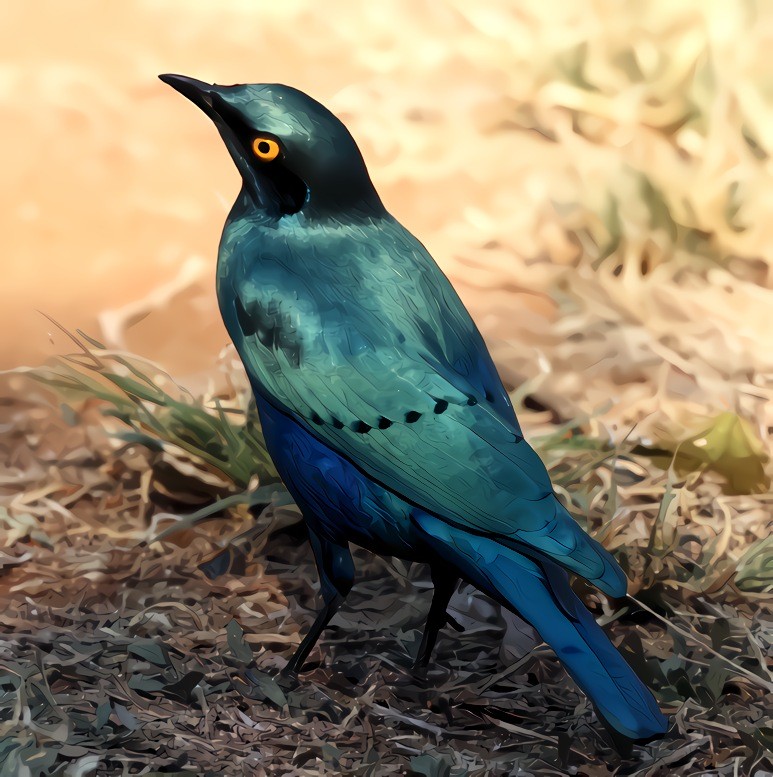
380, 405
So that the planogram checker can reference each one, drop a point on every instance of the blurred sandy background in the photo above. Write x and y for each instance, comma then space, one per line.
593, 176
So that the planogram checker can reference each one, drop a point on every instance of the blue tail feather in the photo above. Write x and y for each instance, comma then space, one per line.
539, 592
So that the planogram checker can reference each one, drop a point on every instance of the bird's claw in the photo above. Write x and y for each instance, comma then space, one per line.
287, 679
453, 623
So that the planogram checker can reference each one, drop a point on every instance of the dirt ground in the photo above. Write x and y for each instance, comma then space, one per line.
595, 180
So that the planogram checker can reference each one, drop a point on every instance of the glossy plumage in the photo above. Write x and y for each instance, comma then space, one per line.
380, 404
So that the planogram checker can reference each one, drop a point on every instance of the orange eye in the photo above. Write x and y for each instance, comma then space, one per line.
265, 149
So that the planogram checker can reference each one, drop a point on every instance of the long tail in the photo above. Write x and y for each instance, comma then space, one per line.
539, 592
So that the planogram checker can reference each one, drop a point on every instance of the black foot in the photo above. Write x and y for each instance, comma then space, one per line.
454, 624
435, 622
287, 679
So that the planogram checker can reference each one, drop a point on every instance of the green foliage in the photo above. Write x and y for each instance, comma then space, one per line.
755, 569
729, 446
132, 391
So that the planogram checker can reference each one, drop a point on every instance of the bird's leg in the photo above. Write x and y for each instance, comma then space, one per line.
438, 617
324, 616
336, 575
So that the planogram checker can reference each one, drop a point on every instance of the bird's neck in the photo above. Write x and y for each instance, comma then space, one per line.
247, 207
335, 206
343, 199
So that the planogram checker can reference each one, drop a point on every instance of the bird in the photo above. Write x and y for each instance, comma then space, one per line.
380, 403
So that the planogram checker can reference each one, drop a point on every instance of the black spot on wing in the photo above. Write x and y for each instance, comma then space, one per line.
356, 426
412, 416
273, 328
488, 395
243, 317
441, 405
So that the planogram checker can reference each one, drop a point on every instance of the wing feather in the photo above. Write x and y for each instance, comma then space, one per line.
407, 351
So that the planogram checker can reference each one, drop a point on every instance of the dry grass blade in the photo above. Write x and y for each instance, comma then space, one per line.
756, 679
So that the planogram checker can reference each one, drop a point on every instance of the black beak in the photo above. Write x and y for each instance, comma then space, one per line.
198, 92
271, 188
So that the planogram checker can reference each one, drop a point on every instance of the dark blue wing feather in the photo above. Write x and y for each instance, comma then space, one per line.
366, 343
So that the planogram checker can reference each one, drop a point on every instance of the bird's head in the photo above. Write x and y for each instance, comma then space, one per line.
293, 154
